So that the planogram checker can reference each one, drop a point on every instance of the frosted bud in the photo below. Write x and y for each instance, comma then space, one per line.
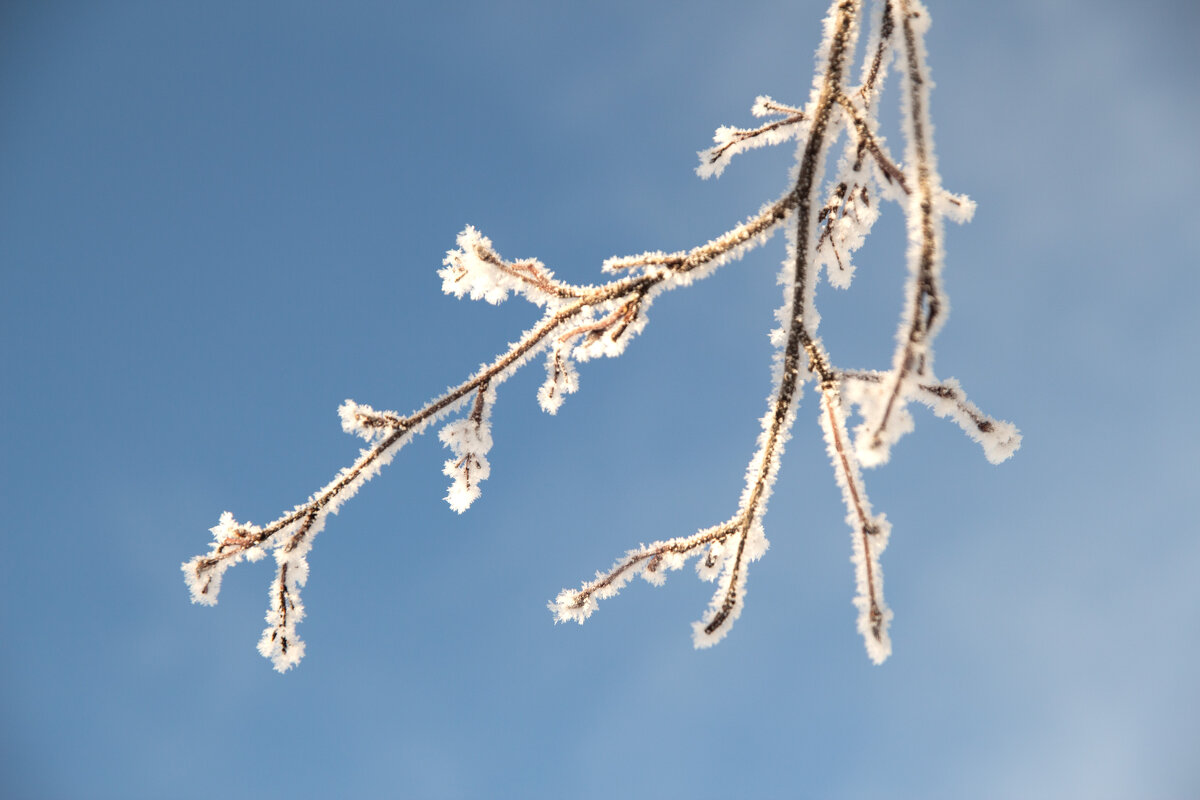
475, 269
561, 379
469, 439
472, 269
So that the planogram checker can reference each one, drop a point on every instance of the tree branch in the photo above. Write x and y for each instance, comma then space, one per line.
579, 323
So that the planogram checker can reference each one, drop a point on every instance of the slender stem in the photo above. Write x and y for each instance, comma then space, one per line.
740, 136
807, 184
925, 303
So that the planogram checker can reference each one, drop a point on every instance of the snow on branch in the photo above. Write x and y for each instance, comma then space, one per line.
826, 221
731, 141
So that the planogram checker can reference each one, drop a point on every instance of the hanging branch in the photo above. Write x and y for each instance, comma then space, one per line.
583, 322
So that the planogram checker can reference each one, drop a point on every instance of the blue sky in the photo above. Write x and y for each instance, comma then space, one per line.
218, 220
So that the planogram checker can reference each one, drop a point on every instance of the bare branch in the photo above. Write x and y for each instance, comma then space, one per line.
732, 141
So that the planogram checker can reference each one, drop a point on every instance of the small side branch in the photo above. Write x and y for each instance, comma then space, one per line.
999, 439
732, 141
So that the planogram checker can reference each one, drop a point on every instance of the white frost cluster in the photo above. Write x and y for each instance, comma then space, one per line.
998, 438
729, 141
359, 419
469, 439
957, 208
279, 641
476, 270
850, 218
867, 540
561, 379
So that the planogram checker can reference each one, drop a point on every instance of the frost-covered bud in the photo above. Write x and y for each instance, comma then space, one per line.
567, 607
472, 269
849, 216
469, 439
356, 419
955, 207
467, 472
204, 585
998, 438
561, 379
361, 420
766, 106
225, 527
714, 159
475, 269
763, 106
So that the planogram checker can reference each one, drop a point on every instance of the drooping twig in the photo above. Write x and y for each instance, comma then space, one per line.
473, 269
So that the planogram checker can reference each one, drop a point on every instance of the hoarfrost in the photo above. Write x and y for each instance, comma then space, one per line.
561, 379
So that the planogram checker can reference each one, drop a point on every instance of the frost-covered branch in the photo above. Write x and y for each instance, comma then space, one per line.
580, 322
731, 141
826, 222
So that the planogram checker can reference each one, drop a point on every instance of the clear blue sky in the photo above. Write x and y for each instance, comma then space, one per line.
219, 219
